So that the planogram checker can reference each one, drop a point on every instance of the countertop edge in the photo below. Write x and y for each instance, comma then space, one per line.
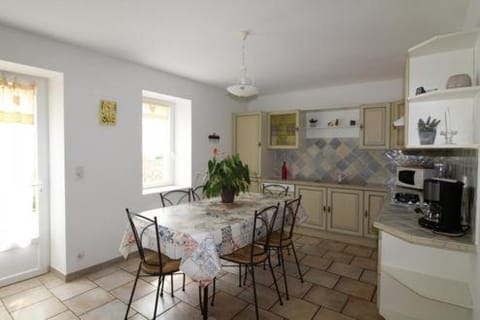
373, 187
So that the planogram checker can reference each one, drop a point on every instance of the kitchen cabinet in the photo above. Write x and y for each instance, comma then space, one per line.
429, 65
397, 125
373, 202
314, 201
375, 126
248, 140
283, 130
344, 211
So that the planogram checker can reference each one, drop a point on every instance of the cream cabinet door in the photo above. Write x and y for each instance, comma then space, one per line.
254, 185
373, 202
247, 140
375, 126
344, 211
314, 203
397, 134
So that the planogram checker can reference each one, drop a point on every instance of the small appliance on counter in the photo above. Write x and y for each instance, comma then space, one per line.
413, 177
442, 206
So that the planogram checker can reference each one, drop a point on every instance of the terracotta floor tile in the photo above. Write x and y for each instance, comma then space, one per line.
365, 263
369, 276
313, 250
50, 280
266, 296
316, 262
307, 240
71, 289
182, 311
88, 300
190, 295
26, 298
177, 282
229, 286
103, 272
331, 245
66, 315
19, 287
291, 269
359, 251
226, 306
295, 309
113, 310
327, 297
327, 314
123, 292
295, 287
130, 265
41, 310
4, 315
346, 270
322, 278
114, 280
355, 288
338, 256
146, 304
291, 257
138, 316
361, 309
249, 313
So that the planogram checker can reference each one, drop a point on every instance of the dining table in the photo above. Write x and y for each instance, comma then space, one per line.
200, 232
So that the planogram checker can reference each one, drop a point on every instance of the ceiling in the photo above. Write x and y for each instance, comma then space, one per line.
295, 44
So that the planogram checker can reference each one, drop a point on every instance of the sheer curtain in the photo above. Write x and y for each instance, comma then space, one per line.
18, 211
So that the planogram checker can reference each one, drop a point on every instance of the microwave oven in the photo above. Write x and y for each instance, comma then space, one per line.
413, 177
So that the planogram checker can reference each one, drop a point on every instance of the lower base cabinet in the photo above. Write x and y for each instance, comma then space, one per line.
342, 210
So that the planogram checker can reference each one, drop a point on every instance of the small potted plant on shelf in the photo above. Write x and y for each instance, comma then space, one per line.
227, 176
427, 130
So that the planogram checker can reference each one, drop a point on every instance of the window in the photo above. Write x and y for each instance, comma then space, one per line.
158, 143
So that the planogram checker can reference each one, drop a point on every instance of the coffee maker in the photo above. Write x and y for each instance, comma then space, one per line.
442, 206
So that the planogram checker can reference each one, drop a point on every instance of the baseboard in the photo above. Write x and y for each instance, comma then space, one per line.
80, 273
368, 242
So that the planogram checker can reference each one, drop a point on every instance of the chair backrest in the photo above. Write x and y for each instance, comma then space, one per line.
175, 197
263, 222
276, 190
290, 210
197, 193
145, 223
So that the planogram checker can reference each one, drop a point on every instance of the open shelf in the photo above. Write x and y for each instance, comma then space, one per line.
446, 42
337, 127
456, 93
443, 146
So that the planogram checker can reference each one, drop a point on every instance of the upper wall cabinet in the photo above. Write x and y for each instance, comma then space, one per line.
283, 130
429, 67
330, 123
375, 126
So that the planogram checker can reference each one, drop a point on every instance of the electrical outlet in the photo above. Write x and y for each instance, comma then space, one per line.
79, 172
80, 255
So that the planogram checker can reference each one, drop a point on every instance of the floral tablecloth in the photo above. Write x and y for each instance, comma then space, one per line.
200, 232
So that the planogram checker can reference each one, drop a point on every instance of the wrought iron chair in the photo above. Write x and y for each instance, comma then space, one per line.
175, 197
276, 190
282, 239
197, 193
254, 254
152, 263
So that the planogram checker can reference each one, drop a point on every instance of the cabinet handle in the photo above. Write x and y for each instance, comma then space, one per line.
259, 144
328, 209
361, 126
366, 214
324, 209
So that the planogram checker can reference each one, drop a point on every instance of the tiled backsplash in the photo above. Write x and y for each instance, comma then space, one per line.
325, 159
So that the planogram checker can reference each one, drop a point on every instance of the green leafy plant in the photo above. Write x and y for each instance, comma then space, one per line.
228, 173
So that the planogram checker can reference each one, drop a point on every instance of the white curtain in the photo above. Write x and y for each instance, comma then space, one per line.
18, 210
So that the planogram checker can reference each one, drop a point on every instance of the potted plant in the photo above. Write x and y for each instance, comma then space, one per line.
226, 177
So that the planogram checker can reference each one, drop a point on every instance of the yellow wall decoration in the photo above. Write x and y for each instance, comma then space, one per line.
108, 112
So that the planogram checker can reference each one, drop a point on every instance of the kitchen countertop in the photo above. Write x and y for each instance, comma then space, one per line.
402, 222
359, 185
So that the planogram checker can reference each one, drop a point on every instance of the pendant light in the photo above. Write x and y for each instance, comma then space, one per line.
245, 87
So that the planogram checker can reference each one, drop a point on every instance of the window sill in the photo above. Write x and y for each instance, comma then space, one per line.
162, 189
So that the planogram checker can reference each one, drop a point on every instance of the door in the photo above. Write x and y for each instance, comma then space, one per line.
314, 203
247, 140
345, 211
23, 166
373, 202
374, 126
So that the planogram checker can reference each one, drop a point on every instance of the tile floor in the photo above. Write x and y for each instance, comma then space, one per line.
340, 284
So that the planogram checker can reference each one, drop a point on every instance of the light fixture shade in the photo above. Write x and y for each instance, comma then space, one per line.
243, 90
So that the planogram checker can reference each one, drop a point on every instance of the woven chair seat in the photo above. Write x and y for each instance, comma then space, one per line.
152, 265
276, 240
243, 255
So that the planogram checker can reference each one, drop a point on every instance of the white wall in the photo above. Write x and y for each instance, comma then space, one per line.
329, 97
111, 155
